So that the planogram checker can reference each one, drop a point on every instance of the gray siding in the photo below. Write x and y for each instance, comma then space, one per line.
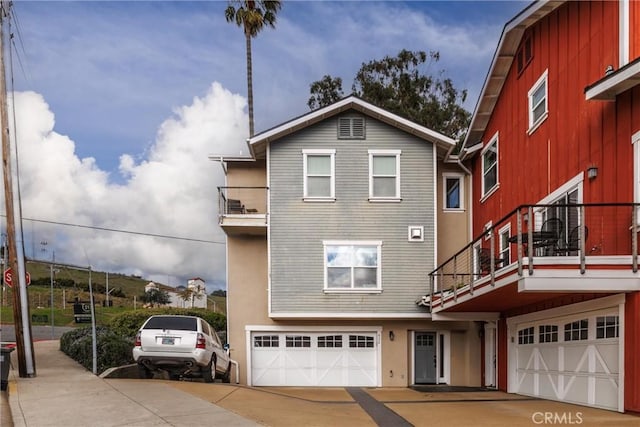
298, 228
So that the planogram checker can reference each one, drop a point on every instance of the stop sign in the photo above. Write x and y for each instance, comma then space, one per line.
8, 277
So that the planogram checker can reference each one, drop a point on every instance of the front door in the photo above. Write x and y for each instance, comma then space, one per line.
425, 358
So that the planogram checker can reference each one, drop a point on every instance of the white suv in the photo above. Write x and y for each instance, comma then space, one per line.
182, 346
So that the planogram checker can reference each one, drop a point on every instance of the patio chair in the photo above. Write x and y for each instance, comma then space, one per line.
548, 246
485, 261
235, 206
573, 241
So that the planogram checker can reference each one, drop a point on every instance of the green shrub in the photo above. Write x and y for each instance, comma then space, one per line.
111, 349
128, 323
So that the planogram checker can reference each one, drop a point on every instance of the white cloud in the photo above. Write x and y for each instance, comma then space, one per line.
171, 192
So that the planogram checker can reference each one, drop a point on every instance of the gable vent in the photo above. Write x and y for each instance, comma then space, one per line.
351, 128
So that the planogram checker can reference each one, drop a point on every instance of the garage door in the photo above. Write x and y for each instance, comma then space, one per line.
572, 358
314, 359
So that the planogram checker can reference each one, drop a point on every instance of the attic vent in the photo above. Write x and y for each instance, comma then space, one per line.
351, 128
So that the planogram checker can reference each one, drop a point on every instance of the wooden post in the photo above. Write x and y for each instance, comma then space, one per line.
24, 344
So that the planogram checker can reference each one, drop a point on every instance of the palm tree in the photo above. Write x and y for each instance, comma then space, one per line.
252, 17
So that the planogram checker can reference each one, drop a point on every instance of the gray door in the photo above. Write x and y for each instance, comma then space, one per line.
425, 358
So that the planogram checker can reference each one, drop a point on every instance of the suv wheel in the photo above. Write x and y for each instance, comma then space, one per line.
209, 372
144, 372
226, 377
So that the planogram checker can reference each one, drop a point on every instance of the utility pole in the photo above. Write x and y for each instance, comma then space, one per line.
22, 322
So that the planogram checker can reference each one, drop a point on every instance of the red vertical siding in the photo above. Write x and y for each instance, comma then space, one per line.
502, 355
634, 29
575, 44
631, 350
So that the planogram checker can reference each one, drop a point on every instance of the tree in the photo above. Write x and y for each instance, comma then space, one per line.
325, 92
188, 294
155, 297
252, 17
402, 86
219, 293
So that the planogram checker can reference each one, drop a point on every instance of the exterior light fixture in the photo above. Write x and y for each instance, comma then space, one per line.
592, 172
392, 336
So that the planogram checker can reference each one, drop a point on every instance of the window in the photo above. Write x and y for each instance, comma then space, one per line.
576, 331
384, 174
538, 110
351, 128
607, 327
330, 341
548, 333
360, 341
319, 174
453, 192
490, 166
266, 341
525, 336
505, 246
524, 54
298, 341
352, 266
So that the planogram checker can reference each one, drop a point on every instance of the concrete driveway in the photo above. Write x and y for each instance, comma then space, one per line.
293, 406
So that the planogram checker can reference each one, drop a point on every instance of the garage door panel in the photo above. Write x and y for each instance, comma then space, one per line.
606, 392
549, 358
577, 390
607, 359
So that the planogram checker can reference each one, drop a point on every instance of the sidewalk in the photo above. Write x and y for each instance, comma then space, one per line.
65, 394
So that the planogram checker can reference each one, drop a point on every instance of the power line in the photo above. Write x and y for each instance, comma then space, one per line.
114, 230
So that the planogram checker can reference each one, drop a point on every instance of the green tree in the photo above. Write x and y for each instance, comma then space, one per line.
403, 86
252, 16
325, 92
155, 297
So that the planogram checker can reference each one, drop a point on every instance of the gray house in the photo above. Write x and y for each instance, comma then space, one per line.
333, 225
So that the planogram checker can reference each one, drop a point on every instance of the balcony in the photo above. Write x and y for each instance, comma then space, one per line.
243, 210
540, 253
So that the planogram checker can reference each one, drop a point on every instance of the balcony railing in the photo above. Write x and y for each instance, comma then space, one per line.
555, 236
242, 206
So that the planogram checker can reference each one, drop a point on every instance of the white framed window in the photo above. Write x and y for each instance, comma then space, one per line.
319, 174
607, 327
490, 167
538, 105
505, 247
453, 192
577, 331
384, 175
352, 265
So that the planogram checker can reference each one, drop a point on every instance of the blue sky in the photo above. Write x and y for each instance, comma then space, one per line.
121, 102
113, 71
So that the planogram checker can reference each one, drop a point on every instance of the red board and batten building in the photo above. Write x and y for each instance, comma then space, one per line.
554, 152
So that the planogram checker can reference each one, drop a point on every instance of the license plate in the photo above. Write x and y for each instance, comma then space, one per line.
168, 341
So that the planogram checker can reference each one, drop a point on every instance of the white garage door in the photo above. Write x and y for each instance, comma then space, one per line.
314, 359
571, 358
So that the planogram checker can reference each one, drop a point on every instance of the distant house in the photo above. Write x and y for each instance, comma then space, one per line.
197, 298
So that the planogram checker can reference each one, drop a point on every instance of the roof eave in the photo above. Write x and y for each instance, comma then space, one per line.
258, 143
501, 64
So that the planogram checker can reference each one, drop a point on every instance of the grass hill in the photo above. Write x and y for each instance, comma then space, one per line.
71, 284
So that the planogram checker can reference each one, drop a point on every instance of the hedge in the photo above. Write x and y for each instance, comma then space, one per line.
111, 349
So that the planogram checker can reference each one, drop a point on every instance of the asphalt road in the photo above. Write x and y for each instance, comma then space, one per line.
7, 332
